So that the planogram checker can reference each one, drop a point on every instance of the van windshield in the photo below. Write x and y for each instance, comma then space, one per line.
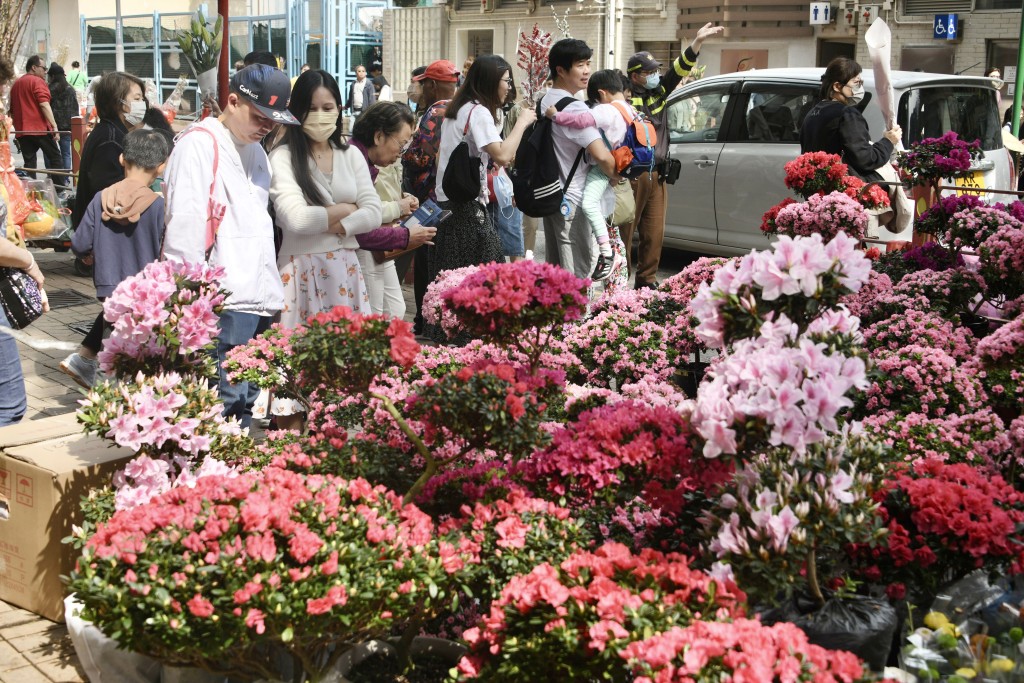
970, 111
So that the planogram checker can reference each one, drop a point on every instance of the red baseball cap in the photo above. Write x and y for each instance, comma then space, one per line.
441, 70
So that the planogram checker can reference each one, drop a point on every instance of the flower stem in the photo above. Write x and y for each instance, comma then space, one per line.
421, 448
812, 578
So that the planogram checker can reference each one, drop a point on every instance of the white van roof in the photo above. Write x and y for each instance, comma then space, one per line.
901, 80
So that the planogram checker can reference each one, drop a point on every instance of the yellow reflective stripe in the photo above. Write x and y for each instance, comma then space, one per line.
659, 108
653, 105
677, 64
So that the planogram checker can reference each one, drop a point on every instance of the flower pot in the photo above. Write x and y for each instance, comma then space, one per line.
924, 197
979, 326
351, 660
208, 84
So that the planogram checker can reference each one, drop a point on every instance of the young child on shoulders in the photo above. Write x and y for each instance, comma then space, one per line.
608, 106
123, 227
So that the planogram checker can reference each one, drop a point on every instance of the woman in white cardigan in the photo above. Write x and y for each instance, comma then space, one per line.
323, 198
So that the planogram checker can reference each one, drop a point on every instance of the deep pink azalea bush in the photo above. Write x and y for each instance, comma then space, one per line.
1000, 365
212, 575
573, 621
978, 438
826, 215
786, 511
944, 520
1002, 262
614, 454
739, 650
921, 379
503, 301
862, 302
922, 328
164, 319
798, 278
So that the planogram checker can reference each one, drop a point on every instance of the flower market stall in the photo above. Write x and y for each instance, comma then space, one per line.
839, 491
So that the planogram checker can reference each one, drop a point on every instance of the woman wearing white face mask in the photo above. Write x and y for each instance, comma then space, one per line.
121, 104
836, 125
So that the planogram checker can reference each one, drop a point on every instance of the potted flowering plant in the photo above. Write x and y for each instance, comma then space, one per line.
222, 574
572, 621
826, 215
1000, 365
165, 318
977, 438
944, 520
931, 159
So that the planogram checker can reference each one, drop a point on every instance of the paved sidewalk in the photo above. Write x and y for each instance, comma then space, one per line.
33, 649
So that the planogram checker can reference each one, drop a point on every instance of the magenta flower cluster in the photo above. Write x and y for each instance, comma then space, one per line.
943, 157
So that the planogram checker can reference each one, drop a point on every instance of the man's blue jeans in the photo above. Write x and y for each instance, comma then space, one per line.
13, 402
236, 329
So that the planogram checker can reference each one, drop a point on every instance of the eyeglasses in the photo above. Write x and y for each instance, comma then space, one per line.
508, 81
403, 147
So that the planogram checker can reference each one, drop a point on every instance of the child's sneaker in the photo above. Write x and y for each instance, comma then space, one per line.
81, 369
603, 269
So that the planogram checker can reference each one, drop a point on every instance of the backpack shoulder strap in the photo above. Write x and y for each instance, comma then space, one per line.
216, 152
562, 103
627, 115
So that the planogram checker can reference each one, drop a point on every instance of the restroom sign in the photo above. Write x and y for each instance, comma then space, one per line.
946, 27
821, 13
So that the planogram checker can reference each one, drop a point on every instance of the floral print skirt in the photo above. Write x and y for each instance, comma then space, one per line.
316, 283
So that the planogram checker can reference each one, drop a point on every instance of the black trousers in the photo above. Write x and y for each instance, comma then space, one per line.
32, 144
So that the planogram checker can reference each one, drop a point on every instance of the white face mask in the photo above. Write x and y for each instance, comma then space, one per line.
857, 96
652, 81
136, 113
320, 125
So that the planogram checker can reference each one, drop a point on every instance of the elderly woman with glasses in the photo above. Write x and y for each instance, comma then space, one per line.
382, 133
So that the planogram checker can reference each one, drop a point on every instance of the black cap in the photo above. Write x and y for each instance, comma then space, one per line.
642, 61
268, 89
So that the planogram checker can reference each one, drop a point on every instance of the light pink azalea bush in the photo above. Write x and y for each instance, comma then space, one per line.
1000, 365
824, 215
921, 379
164, 319
977, 438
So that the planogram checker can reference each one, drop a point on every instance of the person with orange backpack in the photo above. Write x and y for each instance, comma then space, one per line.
631, 141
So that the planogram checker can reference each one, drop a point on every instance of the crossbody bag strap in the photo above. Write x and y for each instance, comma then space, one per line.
214, 210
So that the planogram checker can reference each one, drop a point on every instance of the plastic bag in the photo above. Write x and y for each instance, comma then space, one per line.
99, 655
43, 219
858, 624
18, 207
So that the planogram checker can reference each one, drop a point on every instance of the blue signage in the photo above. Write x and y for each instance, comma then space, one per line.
946, 27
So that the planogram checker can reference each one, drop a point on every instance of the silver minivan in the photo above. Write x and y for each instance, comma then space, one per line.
733, 133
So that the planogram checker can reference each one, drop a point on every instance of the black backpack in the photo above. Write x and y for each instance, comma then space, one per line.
535, 177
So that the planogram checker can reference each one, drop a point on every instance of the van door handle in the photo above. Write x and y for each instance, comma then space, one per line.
703, 162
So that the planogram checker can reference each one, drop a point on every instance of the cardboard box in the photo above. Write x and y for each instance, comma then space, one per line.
46, 467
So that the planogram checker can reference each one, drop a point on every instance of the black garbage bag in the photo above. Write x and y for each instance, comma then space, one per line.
858, 624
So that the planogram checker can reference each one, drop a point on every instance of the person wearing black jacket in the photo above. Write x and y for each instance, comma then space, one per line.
650, 92
836, 125
64, 103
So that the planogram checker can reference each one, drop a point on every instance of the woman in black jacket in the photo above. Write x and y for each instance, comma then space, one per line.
835, 124
121, 105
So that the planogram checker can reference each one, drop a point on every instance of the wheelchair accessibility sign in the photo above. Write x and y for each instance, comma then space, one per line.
946, 27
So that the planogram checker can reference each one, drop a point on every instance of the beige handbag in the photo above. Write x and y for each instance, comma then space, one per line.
625, 205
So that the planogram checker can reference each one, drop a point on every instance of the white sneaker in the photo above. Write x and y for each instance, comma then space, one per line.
82, 370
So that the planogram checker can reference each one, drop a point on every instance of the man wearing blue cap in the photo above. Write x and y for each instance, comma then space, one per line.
650, 92
217, 184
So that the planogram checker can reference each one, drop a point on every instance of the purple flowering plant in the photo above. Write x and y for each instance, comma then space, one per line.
932, 159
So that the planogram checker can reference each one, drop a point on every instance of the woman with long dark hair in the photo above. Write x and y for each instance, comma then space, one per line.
121, 105
468, 237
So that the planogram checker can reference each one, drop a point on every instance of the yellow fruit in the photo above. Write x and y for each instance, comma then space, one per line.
935, 620
967, 672
949, 629
1000, 665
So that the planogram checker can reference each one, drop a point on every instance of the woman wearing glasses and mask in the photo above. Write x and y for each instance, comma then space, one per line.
382, 133
836, 125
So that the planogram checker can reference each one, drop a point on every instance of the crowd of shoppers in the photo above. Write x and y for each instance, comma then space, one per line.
318, 223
